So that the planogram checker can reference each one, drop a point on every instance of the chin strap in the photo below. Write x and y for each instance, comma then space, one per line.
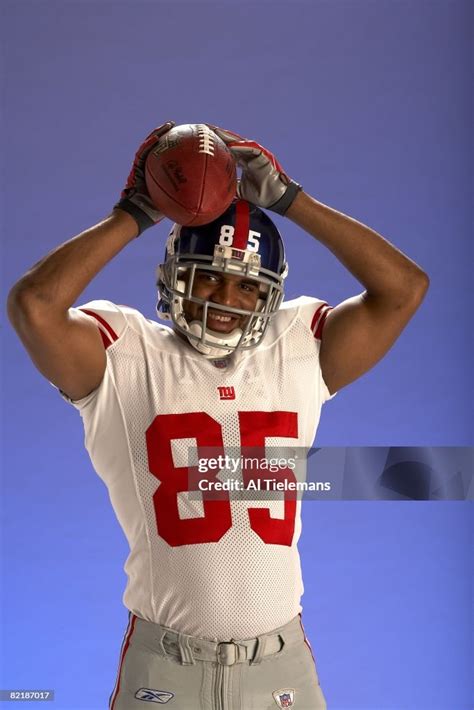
222, 347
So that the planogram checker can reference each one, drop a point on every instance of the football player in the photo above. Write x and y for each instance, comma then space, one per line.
214, 581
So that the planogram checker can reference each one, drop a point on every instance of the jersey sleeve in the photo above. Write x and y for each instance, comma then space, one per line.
313, 313
112, 321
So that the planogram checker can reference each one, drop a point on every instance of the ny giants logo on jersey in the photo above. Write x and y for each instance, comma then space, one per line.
226, 392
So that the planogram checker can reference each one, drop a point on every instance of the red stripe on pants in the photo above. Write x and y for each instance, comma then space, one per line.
125, 645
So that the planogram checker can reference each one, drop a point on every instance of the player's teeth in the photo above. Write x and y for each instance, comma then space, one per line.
224, 319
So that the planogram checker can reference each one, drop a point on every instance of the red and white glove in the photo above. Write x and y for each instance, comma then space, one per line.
263, 181
135, 198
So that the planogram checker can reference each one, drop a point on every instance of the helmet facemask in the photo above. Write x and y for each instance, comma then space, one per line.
176, 283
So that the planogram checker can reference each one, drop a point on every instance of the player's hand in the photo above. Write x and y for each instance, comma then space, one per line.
134, 198
263, 181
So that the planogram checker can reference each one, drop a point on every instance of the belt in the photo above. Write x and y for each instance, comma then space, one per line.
226, 653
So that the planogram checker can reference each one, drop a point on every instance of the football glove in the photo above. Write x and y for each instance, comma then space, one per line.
263, 181
135, 198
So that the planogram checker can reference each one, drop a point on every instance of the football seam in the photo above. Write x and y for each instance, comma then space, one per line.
203, 184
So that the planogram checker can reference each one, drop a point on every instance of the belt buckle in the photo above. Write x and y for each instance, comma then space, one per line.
227, 653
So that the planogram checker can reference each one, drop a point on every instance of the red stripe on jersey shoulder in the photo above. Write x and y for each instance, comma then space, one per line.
106, 342
113, 335
242, 224
319, 319
319, 330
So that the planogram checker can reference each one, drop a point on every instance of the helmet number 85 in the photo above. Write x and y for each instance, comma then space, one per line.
226, 237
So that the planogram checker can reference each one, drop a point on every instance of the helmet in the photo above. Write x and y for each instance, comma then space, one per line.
242, 241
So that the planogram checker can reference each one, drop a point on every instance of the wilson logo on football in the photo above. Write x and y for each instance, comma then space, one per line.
174, 171
226, 392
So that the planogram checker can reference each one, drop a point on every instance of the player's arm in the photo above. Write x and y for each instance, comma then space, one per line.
64, 344
359, 331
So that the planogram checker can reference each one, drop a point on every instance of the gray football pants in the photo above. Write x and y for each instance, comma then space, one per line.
161, 666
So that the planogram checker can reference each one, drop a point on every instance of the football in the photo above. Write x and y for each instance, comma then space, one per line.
191, 175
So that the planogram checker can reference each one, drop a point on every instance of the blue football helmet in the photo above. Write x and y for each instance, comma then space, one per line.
243, 241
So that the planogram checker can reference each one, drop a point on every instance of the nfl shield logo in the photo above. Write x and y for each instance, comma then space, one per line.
284, 698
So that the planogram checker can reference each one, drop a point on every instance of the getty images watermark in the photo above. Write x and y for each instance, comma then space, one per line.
258, 478
251, 473
328, 473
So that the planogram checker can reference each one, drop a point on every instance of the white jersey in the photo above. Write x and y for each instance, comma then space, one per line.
216, 569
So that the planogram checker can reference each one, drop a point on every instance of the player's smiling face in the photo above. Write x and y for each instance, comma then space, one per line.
224, 290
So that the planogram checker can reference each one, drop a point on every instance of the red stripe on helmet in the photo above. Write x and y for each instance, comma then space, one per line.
242, 224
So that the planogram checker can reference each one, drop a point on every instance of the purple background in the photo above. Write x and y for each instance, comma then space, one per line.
366, 103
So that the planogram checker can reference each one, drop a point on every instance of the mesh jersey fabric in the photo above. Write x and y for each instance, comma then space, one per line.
214, 570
